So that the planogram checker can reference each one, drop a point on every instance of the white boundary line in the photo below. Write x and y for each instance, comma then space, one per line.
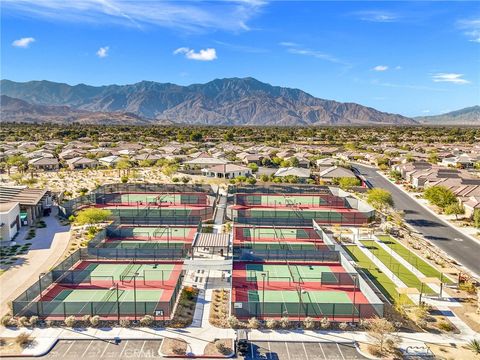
323, 352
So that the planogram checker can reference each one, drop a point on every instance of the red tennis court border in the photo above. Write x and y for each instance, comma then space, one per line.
239, 238
241, 285
167, 286
188, 238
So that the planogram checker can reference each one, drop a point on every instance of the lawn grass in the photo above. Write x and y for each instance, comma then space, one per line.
381, 281
396, 267
421, 265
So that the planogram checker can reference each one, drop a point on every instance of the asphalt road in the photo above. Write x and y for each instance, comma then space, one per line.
460, 247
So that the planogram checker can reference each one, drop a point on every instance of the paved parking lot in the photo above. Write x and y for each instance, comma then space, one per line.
98, 349
277, 350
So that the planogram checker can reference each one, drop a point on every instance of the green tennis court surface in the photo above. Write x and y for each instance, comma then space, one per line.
293, 296
285, 200
160, 198
290, 273
278, 233
107, 295
280, 246
143, 244
120, 271
159, 231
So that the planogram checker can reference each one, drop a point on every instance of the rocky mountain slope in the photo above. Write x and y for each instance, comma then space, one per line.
465, 116
233, 101
16, 110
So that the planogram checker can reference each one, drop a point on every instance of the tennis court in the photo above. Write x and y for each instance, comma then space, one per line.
269, 245
107, 295
132, 244
300, 200
275, 233
115, 271
292, 273
154, 232
159, 198
334, 304
289, 296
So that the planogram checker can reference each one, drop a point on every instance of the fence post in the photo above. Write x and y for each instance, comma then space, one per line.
64, 310
333, 312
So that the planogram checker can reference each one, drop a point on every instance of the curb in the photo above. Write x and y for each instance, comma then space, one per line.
445, 222
430, 210
45, 352
368, 356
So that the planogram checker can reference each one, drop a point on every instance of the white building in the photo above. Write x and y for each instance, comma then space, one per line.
9, 220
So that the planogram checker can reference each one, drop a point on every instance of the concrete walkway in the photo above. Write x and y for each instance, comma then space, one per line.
198, 338
47, 247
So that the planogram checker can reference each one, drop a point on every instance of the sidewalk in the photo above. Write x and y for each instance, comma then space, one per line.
198, 338
47, 247
444, 218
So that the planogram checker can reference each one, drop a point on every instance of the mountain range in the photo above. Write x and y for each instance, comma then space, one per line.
230, 101
466, 116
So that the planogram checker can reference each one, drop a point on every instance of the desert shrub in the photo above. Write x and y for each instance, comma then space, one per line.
70, 321
222, 349
284, 322
233, 322
474, 346
272, 323
253, 323
23, 321
95, 320
147, 320
125, 323
446, 326
324, 323
6, 320
179, 350
343, 326
33, 321
308, 323
22, 339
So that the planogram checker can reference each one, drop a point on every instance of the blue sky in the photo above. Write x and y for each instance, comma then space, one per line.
412, 58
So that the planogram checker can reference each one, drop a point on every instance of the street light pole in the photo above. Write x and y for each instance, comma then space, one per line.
355, 278
41, 291
135, 294
263, 294
118, 301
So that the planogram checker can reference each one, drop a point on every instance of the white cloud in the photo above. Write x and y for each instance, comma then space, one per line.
426, 111
471, 29
297, 49
103, 52
23, 42
381, 68
203, 55
450, 77
191, 16
377, 16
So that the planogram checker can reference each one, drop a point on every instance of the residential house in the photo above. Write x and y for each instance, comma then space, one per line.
71, 153
110, 161
80, 162
331, 174
44, 163
470, 205
227, 171
301, 173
